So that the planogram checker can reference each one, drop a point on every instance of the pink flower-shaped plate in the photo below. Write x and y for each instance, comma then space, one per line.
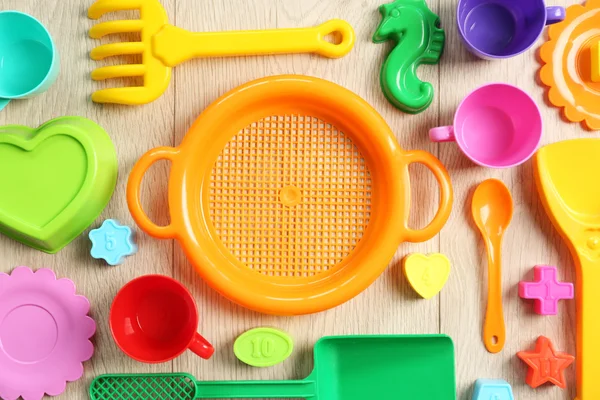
44, 334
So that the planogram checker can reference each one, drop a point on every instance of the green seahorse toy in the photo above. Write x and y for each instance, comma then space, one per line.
419, 40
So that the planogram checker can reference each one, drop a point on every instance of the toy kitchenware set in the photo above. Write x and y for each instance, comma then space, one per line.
293, 229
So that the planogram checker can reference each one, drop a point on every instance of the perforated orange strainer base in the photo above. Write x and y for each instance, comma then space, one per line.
289, 194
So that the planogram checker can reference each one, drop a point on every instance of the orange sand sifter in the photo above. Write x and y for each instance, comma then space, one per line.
289, 194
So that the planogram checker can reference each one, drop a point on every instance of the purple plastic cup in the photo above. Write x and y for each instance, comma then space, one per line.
493, 29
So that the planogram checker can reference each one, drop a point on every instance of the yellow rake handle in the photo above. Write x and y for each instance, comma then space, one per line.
174, 45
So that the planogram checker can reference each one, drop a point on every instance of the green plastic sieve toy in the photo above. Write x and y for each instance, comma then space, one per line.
346, 368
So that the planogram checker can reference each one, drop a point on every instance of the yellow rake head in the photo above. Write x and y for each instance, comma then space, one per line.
155, 74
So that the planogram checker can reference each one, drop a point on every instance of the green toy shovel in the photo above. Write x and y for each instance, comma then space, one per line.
346, 368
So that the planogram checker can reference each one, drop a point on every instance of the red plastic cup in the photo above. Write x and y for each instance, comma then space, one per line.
154, 318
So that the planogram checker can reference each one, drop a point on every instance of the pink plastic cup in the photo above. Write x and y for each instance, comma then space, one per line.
496, 126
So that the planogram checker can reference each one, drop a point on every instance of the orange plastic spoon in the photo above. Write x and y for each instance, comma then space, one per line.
492, 209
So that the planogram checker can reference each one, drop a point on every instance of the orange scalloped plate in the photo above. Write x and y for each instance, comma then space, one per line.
567, 65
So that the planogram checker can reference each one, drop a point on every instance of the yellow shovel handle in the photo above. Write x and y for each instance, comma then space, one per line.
174, 45
588, 329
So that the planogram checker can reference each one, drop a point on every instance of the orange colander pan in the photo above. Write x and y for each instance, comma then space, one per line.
290, 195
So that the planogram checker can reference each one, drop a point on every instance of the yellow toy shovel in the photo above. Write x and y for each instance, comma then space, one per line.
164, 46
567, 179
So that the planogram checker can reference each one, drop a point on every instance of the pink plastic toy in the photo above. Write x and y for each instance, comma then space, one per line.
44, 334
546, 290
496, 126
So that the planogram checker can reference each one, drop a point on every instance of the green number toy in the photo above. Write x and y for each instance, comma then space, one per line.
263, 347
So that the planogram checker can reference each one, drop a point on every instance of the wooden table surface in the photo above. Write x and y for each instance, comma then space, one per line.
389, 305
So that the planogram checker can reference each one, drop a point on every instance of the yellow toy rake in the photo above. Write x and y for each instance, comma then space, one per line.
164, 46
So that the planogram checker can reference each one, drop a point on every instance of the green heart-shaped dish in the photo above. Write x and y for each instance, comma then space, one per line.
55, 180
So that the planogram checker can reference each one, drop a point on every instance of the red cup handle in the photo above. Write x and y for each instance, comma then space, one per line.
202, 347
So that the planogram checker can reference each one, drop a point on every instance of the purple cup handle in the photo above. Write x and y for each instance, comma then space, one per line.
442, 134
555, 14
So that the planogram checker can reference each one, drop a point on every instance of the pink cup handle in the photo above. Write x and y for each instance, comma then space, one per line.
555, 14
202, 347
442, 134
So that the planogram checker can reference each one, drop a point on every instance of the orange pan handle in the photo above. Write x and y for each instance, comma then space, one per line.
133, 192
446, 195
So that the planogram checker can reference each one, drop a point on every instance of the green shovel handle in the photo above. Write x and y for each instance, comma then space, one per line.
305, 389
182, 386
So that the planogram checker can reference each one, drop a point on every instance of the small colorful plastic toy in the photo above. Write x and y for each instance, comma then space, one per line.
56, 180
415, 367
492, 209
496, 29
596, 62
563, 172
263, 347
165, 46
154, 319
45, 333
204, 215
490, 138
112, 242
427, 274
545, 364
546, 290
492, 389
30, 62
419, 40
567, 67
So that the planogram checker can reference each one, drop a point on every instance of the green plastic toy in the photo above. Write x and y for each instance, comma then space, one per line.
419, 40
263, 347
346, 368
56, 180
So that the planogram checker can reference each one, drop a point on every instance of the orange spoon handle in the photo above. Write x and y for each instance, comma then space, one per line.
494, 331
588, 329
